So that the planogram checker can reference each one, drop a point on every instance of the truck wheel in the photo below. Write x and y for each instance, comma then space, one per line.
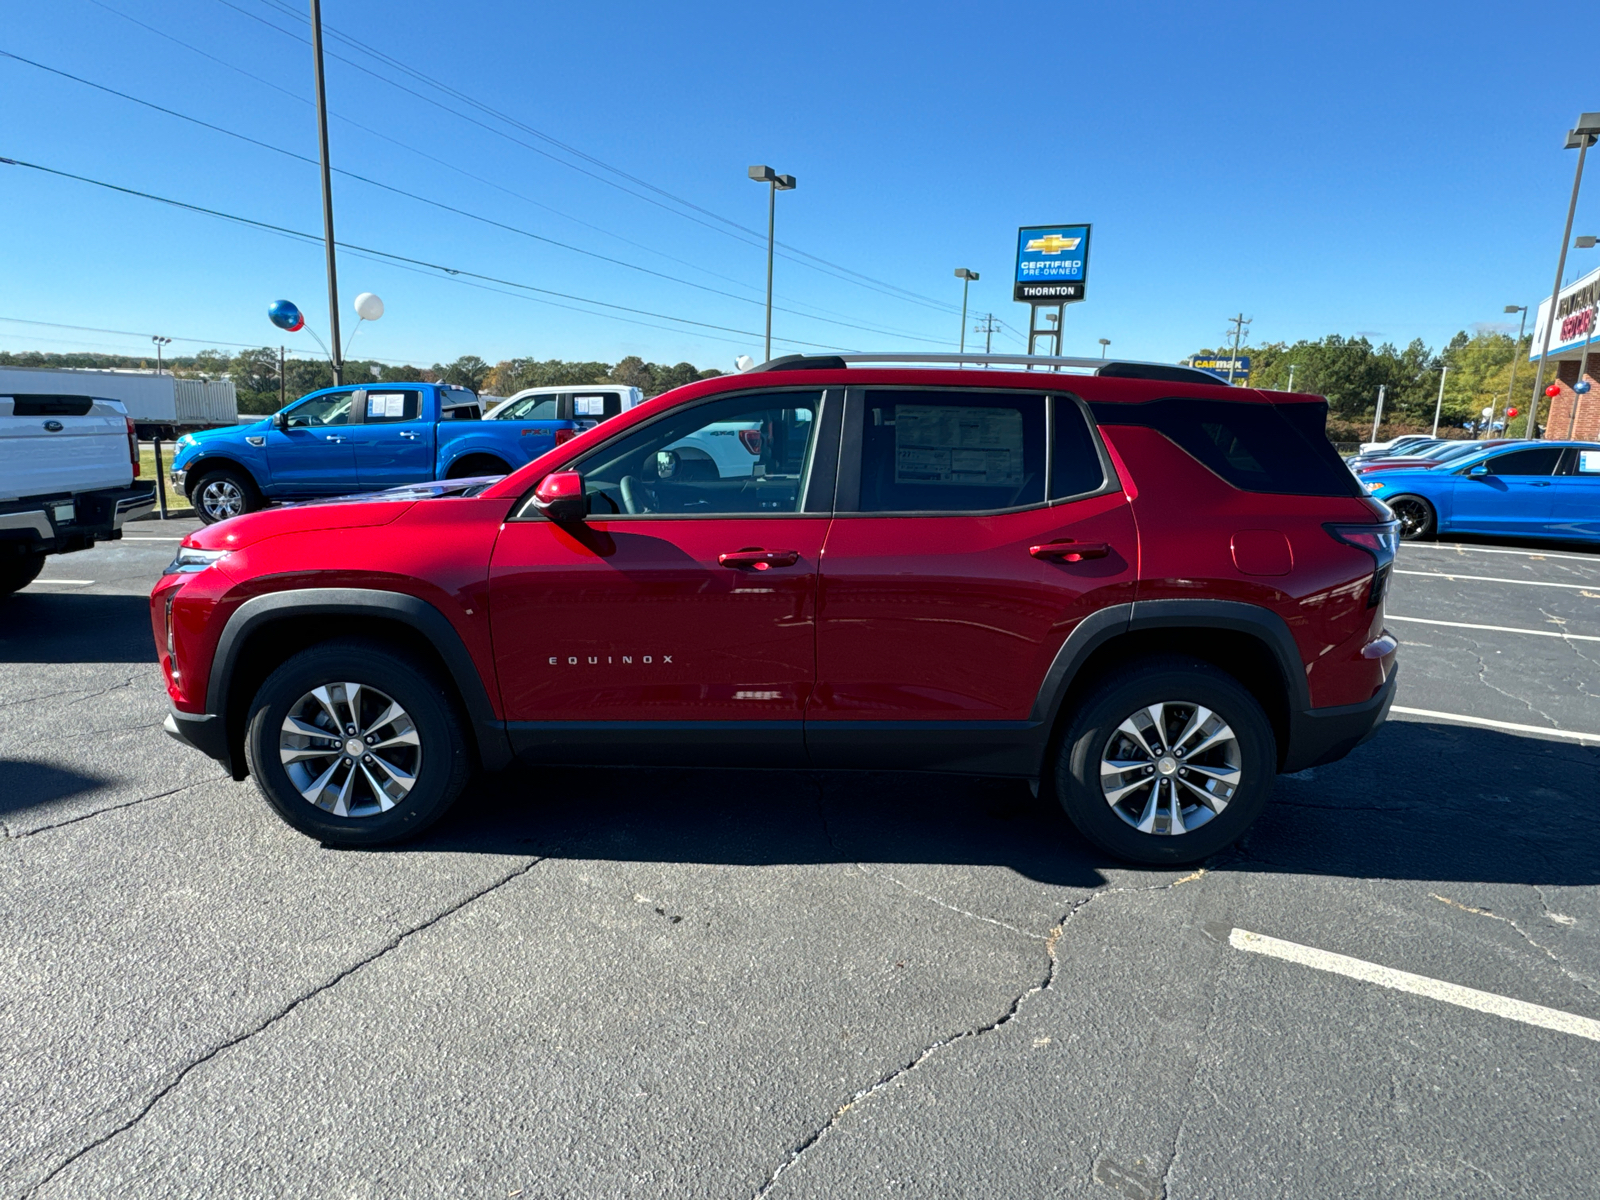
1166, 763
17, 573
477, 464
356, 744
222, 493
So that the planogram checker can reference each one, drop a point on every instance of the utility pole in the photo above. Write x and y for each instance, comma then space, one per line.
283, 384
1377, 416
987, 327
1439, 403
1580, 138
336, 355
1238, 324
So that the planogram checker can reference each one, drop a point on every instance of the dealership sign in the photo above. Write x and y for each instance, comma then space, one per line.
1220, 366
1052, 264
1575, 316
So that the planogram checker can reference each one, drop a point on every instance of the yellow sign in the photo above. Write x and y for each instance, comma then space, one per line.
1054, 244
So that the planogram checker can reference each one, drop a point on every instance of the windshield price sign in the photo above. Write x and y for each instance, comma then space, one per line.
1052, 263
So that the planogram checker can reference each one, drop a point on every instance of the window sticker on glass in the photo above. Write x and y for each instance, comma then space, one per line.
589, 406
972, 447
386, 404
1589, 462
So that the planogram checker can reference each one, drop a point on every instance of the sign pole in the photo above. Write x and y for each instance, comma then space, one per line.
1555, 295
1577, 396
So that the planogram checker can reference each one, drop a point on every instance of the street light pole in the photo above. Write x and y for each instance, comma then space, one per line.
1104, 342
327, 192
1439, 403
1377, 416
1582, 136
777, 183
160, 342
966, 278
1516, 353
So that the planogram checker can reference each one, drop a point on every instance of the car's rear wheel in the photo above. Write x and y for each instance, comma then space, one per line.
1167, 762
223, 493
19, 571
1416, 517
356, 744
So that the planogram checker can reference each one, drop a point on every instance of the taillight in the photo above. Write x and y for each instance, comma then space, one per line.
751, 439
133, 446
565, 435
1382, 541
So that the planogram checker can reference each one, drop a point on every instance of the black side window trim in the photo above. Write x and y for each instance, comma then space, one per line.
819, 482
847, 502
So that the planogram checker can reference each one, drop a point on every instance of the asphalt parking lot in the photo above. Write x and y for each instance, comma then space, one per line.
677, 983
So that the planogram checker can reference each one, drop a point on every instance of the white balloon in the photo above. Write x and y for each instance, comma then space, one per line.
368, 307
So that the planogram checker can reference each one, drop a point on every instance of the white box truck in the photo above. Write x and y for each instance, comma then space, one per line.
160, 405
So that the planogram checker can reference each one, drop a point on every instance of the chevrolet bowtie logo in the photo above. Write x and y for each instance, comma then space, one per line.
1054, 244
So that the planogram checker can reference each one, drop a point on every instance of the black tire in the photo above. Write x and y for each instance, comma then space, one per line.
221, 489
1180, 684
477, 464
1418, 521
440, 770
18, 572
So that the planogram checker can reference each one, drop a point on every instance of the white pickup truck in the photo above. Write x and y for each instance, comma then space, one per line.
67, 471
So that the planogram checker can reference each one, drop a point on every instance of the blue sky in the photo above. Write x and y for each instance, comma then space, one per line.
1395, 170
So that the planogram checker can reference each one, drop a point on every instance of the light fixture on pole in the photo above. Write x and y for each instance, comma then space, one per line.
327, 192
1584, 243
1516, 353
778, 183
1582, 135
967, 277
1104, 342
1290, 388
160, 342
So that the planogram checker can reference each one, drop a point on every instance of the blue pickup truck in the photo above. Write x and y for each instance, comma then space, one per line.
353, 439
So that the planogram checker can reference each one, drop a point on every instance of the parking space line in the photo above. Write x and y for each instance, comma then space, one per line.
1592, 559
1463, 719
152, 539
64, 582
1576, 587
1573, 637
1416, 985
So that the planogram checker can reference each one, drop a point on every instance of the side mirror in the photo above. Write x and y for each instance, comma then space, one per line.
560, 498
280, 420
1480, 469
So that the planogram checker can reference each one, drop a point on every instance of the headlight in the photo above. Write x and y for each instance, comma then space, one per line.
1373, 487
192, 559
185, 441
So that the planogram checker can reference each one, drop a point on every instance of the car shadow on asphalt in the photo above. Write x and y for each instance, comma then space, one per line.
43, 627
31, 784
1419, 801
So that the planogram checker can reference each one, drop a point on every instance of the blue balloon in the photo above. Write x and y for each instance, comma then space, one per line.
1581, 386
286, 316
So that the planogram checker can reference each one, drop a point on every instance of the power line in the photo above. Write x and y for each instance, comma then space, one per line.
441, 205
732, 228
390, 256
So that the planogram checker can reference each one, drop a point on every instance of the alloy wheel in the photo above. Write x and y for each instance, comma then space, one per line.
1171, 767
350, 749
1412, 515
221, 499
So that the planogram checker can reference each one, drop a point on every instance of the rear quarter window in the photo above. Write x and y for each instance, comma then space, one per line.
1273, 448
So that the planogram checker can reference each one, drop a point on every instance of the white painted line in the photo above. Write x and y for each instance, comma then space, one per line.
1576, 587
64, 582
152, 539
1592, 559
1462, 719
1571, 637
1416, 985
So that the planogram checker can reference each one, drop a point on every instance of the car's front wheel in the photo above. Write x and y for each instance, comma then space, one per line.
1167, 762
356, 744
223, 493
1416, 516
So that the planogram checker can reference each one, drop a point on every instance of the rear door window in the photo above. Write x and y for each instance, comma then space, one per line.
386, 408
1275, 448
939, 452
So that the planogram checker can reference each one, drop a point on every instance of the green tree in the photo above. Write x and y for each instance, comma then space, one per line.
468, 371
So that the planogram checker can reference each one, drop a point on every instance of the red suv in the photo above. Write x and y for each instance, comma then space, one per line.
1139, 589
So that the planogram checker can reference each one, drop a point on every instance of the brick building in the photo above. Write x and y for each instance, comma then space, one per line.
1574, 356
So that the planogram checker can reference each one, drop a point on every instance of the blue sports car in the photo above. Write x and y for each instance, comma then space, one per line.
1541, 490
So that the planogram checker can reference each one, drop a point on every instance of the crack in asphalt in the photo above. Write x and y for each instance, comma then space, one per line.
1526, 936
862, 867
28, 833
266, 1023
1483, 678
1051, 940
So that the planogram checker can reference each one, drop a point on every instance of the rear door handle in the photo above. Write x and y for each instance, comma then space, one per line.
410, 437
761, 560
1068, 550
1541, 484
332, 437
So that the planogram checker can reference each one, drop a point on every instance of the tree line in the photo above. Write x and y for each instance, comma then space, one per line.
1348, 371
256, 375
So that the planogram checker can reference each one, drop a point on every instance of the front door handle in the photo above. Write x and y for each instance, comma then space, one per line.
1068, 550
1541, 484
761, 560
410, 437
332, 437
